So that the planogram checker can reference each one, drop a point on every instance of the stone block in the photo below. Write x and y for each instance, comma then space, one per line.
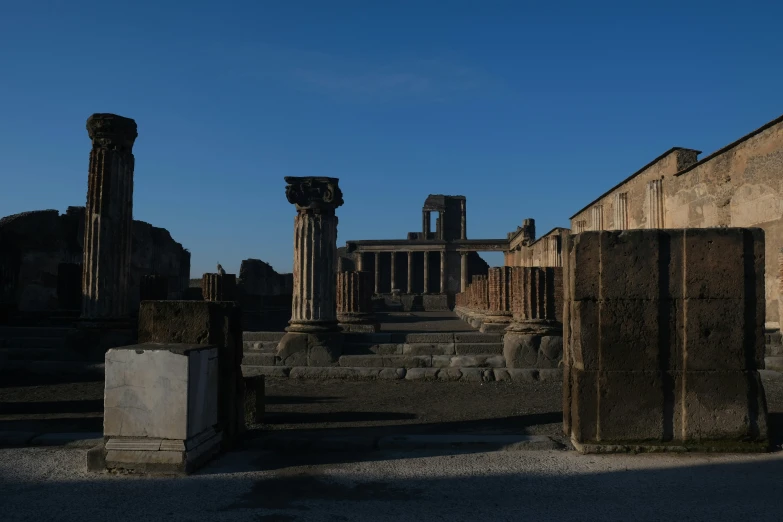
629, 334
432, 338
585, 266
630, 406
478, 349
584, 405
449, 374
166, 391
441, 361
477, 337
204, 322
720, 406
259, 359
584, 328
428, 349
629, 265
254, 399
550, 352
310, 349
717, 336
521, 351
421, 374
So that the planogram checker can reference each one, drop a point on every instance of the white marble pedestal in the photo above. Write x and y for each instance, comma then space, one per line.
160, 408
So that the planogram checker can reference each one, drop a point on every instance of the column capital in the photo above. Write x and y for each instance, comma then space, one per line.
313, 193
111, 131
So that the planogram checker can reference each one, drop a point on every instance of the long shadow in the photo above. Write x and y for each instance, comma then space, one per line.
281, 399
334, 416
19, 408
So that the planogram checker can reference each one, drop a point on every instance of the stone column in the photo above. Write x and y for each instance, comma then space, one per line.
426, 273
410, 272
377, 272
442, 271
534, 339
359, 261
463, 271
354, 302
216, 287
500, 294
425, 223
313, 336
108, 218
393, 267
655, 204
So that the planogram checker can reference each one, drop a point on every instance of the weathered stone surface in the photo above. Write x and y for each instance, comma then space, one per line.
160, 390
672, 330
108, 218
431, 338
368, 348
420, 374
386, 361
200, 322
478, 348
428, 349
310, 349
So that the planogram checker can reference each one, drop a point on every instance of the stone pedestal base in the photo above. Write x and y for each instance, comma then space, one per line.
310, 349
495, 323
533, 344
147, 455
364, 323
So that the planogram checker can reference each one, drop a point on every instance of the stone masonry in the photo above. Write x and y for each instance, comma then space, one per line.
664, 332
108, 218
313, 336
354, 302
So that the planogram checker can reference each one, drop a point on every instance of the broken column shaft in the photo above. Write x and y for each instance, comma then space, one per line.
108, 218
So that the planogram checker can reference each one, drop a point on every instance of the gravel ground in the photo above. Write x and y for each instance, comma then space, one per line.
48, 484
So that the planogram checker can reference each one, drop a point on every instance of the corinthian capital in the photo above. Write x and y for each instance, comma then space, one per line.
112, 131
313, 192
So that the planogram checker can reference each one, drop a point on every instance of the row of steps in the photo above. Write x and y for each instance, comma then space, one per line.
394, 350
35, 343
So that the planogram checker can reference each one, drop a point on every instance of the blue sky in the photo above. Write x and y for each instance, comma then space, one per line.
530, 109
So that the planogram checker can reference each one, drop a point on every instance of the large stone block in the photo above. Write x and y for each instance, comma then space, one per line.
204, 322
167, 391
629, 265
160, 407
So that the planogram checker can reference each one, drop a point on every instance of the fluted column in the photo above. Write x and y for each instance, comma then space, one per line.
217, 287
655, 204
499, 295
393, 268
425, 223
354, 302
410, 272
463, 220
463, 271
377, 272
108, 218
315, 247
359, 261
442, 271
426, 289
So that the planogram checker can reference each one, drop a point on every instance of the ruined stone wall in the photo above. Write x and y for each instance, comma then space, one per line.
34, 244
740, 185
259, 278
544, 252
603, 213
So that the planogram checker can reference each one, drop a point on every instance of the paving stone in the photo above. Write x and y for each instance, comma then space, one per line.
428, 349
478, 348
392, 374
418, 374
449, 374
440, 337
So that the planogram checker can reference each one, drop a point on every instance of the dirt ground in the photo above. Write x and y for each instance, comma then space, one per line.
346, 407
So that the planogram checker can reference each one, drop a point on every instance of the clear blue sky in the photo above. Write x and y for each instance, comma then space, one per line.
530, 109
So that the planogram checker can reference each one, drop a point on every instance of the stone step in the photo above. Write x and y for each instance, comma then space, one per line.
37, 354
774, 350
260, 346
258, 359
262, 336
372, 349
32, 342
478, 348
486, 360
16, 332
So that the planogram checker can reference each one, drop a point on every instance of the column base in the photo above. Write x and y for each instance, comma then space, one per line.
533, 346
312, 326
495, 322
364, 323
312, 348
536, 326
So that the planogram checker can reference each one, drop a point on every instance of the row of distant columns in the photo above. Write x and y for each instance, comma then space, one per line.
393, 267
